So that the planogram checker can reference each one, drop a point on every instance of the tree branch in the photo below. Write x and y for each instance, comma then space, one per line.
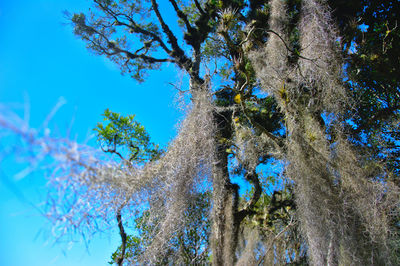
196, 2
114, 149
381, 114
282, 40
177, 52
181, 15
277, 140
144, 57
248, 209
123, 236
133, 26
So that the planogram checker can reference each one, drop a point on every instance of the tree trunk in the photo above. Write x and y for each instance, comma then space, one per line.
225, 228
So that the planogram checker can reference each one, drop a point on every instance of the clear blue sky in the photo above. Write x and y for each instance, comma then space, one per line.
41, 60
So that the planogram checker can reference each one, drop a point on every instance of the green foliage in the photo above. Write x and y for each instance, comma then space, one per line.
264, 112
190, 245
225, 32
119, 133
132, 249
373, 69
127, 40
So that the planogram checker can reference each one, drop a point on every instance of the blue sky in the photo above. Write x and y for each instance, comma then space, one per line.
41, 61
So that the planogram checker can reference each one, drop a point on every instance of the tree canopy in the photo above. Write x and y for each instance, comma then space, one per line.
296, 99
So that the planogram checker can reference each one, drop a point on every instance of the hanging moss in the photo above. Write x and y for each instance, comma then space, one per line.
343, 211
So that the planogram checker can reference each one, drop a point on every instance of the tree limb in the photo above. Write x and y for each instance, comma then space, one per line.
177, 52
114, 149
381, 114
181, 15
143, 56
248, 209
196, 2
134, 26
282, 40
123, 236
277, 140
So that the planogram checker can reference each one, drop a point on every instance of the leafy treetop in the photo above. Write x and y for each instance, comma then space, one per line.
122, 135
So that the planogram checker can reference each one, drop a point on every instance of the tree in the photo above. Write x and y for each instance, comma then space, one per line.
374, 71
278, 97
187, 247
121, 132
